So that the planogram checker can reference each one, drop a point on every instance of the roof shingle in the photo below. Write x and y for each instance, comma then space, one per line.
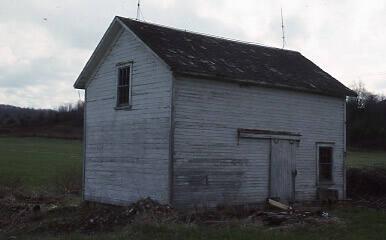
197, 54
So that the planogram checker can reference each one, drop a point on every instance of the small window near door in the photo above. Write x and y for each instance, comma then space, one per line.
123, 86
325, 163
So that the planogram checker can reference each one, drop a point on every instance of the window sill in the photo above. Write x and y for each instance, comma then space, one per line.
125, 107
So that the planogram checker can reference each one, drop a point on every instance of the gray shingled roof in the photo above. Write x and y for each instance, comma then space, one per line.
213, 57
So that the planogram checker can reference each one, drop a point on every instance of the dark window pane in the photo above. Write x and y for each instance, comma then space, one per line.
123, 86
123, 95
127, 75
120, 99
325, 163
325, 172
325, 154
124, 76
120, 75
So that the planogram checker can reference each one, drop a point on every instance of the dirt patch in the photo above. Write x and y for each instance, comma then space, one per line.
17, 207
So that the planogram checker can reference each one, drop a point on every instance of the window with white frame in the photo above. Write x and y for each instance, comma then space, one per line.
325, 162
124, 85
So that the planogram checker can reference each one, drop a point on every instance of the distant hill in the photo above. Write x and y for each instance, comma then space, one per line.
66, 122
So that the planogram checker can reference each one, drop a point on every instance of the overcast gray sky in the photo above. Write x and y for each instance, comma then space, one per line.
44, 44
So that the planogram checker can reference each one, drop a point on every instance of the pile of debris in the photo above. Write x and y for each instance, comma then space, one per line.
38, 214
27, 214
302, 215
95, 216
275, 214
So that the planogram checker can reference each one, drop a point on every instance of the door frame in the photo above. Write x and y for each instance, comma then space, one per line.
270, 135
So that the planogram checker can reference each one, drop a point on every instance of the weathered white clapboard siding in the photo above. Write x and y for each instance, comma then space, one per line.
127, 151
210, 167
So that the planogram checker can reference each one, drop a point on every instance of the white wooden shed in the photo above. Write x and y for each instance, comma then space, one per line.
196, 120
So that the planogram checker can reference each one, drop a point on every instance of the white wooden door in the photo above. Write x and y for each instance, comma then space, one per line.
283, 169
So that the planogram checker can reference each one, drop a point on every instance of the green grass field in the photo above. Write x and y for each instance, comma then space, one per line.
38, 162
362, 159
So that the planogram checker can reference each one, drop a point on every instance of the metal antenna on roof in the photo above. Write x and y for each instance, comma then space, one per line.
138, 10
282, 27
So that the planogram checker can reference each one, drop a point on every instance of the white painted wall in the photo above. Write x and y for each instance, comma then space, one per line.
207, 116
127, 151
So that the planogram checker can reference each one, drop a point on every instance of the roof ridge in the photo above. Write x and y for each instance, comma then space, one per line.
209, 35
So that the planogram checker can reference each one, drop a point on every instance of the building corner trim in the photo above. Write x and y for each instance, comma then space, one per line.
171, 143
84, 144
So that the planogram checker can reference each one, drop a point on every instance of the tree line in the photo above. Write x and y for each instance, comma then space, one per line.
66, 121
366, 119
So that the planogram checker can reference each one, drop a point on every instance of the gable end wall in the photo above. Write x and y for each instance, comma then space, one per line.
127, 151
